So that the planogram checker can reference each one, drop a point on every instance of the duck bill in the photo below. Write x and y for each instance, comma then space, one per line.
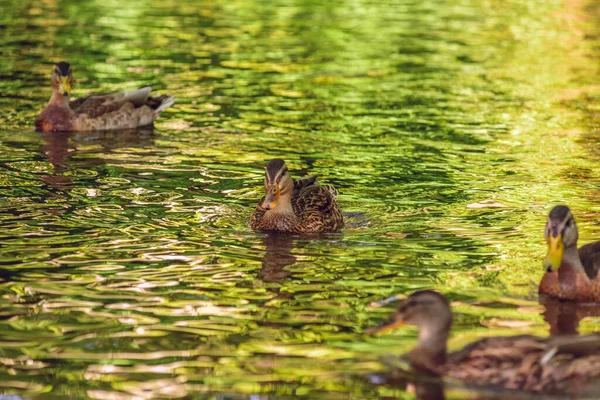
387, 326
64, 85
271, 199
555, 253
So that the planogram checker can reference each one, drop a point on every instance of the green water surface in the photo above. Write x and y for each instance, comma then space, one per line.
127, 270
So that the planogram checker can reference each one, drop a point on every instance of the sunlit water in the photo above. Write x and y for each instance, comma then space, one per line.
128, 271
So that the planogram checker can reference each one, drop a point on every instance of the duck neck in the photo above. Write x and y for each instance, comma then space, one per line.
571, 274
571, 263
282, 217
430, 352
58, 99
284, 207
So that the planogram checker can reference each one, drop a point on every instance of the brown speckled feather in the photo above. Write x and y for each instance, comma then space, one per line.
590, 258
315, 210
96, 106
98, 112
259, 212
518, 363
319, 210
118, 111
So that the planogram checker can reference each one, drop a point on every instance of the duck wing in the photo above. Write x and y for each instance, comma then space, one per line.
76, 103
489, 351
119, 110
304, 183
97, 105
317, 209
575, 345
589, 255
561, 364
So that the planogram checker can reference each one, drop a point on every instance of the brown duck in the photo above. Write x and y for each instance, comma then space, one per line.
567, 364
99, 112
297, 206
571, 273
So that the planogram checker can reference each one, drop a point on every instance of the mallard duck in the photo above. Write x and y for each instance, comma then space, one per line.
295, 205
571, 273
99, 112
564, 364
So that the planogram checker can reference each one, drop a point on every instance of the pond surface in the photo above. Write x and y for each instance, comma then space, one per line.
127, 268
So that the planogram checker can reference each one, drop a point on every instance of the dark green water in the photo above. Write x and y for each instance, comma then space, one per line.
127, 269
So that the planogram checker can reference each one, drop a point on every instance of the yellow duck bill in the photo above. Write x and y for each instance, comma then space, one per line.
555, 253
386, 326
64, 85
271, 199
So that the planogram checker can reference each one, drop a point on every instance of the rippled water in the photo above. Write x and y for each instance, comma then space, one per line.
127, 269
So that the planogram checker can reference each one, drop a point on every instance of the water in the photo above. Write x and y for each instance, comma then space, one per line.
128, 271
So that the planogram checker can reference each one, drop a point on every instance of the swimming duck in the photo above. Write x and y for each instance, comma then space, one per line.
571, 273
98, 112
298, 206
564, 364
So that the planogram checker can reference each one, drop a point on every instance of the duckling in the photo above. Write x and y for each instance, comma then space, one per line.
297, 206
98, 112
571, 273
542, 365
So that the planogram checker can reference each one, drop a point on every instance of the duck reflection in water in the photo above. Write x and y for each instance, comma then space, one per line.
564, 316
278, 255
62, 148
425, 387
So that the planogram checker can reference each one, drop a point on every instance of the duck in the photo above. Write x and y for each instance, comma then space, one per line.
555, 365
97, 112
295, 206
571, 273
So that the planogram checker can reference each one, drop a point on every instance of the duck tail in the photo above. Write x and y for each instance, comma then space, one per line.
334, 192
160, 103
138, 96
